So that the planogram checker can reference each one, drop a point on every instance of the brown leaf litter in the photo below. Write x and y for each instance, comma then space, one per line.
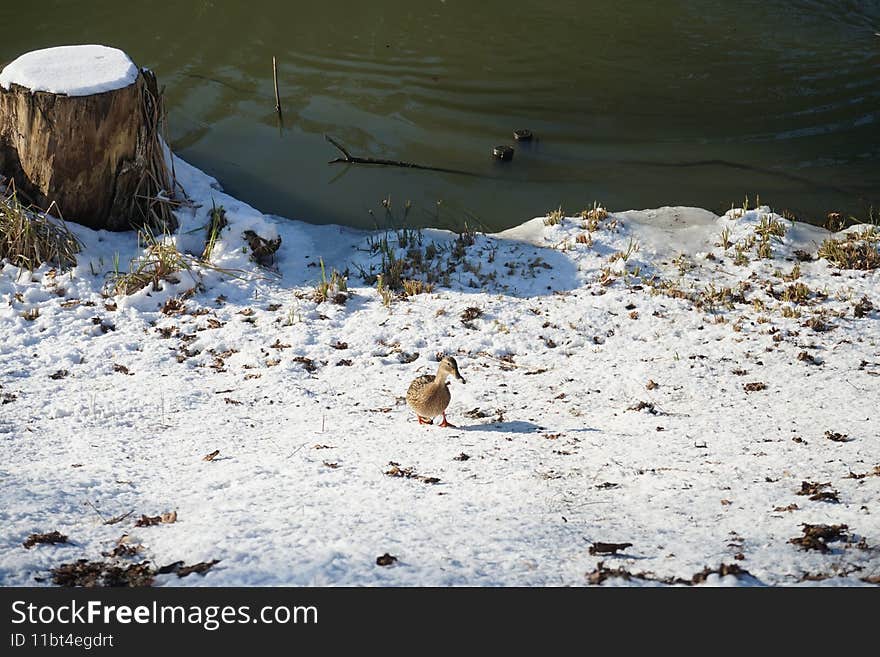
862, 475
468, 315
602, 573
182, 570
408, 473
124, 548
816, 537
808, 358
173, 306
262, 250
386, 560
816, 492
307, 363
644, 406
163, 519
91, 574
49, 538
598, 547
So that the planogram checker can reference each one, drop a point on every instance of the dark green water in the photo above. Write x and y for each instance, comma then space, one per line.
636, 104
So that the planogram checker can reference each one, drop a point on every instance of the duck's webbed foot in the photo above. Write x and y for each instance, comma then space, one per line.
424, 420
445, 424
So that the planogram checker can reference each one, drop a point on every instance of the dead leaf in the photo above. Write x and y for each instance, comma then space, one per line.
307, 363
164, 518
50, 538
599, 547
173, 306
89, 574
386, 560
816, 537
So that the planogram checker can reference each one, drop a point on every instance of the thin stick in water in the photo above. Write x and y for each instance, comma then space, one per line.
275, 78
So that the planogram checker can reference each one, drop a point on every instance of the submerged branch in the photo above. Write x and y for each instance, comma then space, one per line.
348, 158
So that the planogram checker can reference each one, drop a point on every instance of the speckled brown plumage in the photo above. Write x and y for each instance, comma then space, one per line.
428, 396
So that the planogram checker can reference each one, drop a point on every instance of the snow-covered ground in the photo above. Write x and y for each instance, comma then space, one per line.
665, 399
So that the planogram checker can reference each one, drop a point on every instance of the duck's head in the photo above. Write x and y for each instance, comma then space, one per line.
449, 367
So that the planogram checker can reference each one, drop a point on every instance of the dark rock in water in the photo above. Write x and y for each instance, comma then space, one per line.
503, 153
523, 135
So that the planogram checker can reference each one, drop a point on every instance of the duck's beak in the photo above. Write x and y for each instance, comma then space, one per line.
459, 376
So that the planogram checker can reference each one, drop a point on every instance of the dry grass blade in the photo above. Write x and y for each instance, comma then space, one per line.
161, 261
216, 223
858, 250
333, 288
29, 238
153, 204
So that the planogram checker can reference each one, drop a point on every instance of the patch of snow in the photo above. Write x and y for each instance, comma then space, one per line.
606, 400
71, 70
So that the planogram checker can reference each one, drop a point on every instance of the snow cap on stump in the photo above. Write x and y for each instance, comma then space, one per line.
71, 70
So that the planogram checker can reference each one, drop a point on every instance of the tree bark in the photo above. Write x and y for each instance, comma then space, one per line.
97, 160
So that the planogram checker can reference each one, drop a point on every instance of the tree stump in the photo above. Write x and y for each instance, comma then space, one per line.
80, 137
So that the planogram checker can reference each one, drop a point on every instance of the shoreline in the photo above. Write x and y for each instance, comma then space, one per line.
628, 381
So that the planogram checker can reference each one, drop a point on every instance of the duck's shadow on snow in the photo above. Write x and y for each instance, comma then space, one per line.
515, 426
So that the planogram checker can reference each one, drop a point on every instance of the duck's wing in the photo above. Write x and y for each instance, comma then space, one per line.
419, 382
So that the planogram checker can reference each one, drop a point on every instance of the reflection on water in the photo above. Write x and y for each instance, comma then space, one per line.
699, 103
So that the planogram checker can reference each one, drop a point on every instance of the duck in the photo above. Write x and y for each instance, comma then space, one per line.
428, 395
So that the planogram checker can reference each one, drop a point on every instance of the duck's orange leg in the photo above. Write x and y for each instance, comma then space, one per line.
445, 424
423, 420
